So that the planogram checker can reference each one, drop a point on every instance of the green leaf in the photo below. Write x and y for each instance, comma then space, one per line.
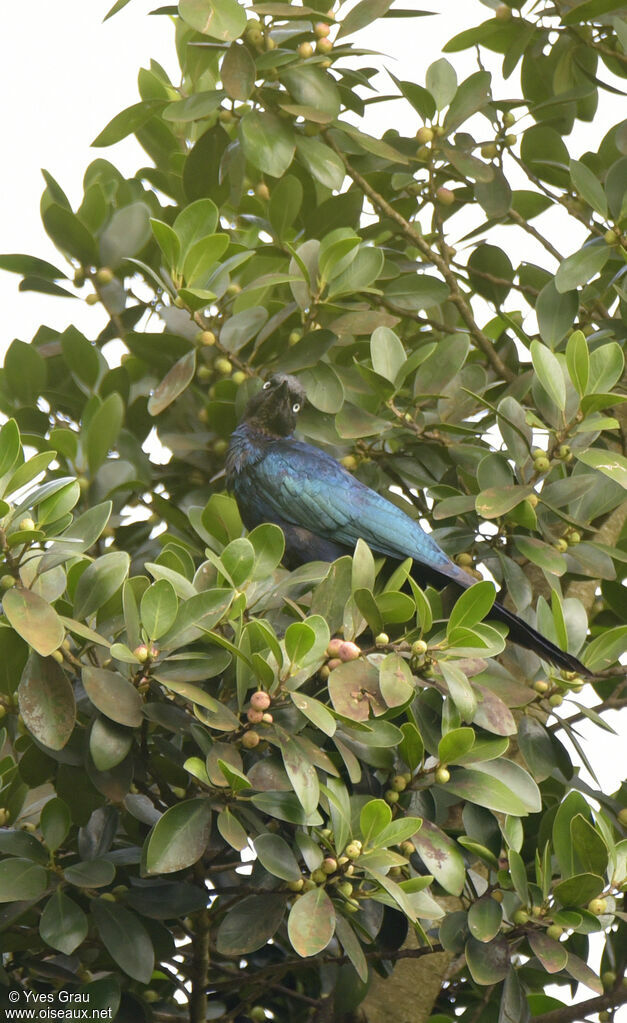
10, 447
21, 880
589, 187
549, 372
352, 946
167, 241
590, 10
194, 222
488, 962
551, 954
174, 383
285, 202
46, 700
299, 640
102, 432
70, 234
33, 619
579, 889
605, 649
201, 260
25, 371
316, 712
55, 823
62, 925
499, 785
396, 681
362, 14
267, 141
125, 939
114, 697
484, 919
179, 838
311, 923
375, 816
126, 234
455, 744
238, 72
610, 463
387, 353
109, 743
99, 582
158, 608
276, 856
128, 121
301, 773
541, 554
310, 86
441, 856
250, 924
321, 162
582, 266
578, 360
556, 313
219, 19
96, 873
472, 607
441, 82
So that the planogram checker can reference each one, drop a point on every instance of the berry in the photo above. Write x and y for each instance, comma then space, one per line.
178, 302
92, 299
219, 446
541, 464
296, 886
105, 275
319, 875
497, 895
561, 545
223, 367
329, 865
353, 849
27, 524
489, 150
206, 337
398, 783
502, 12
445, 196
345, 888
407, 848
305, 50
294, 338
6, 582
508, 119
234, 288
349, 651
533, 500
563, 451
250, 740
262, 191
419, 648
260, 700
424, 135
597, 906
541, 686
555, 932
267, 719
382, 639
521, 916
204, 373
324, 46
334, 663
442, 775
349, 462
257, 1014
254, 716
57, 656
79, 278
622, 816
321, 30
608, 980
556, 700
573, 538
464, 560
391, 796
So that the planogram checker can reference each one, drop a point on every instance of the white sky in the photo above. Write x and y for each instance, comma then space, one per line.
64, 75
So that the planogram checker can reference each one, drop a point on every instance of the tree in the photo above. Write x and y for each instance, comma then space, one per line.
170, 694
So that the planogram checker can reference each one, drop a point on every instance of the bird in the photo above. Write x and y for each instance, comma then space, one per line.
324, 510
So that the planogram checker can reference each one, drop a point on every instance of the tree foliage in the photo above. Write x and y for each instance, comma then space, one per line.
170, 695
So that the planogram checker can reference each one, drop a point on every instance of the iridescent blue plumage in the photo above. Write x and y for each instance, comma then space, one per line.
323, 510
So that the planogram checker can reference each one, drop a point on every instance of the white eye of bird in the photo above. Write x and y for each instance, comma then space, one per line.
295, 407
266, 385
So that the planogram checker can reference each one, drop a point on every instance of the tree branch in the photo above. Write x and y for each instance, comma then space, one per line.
573, 1013
482, 341
199, 968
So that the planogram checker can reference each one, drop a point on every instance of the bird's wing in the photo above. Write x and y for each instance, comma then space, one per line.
306, 487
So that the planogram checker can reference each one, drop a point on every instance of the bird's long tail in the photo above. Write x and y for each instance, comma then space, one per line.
526, 636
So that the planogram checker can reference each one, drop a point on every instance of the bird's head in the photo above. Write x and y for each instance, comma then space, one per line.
275, 407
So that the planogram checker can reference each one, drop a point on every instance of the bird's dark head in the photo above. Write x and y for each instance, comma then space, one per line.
275, 407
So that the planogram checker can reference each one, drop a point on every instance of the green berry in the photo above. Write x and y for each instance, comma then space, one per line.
382, 639
520, 917
442, 775
555, 932
597, 906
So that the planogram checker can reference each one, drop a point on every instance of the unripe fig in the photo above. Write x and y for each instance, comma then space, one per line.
419, 647
267, 718
104, 275
398, 783
382, 639
334, 663
445, 196
27, 524
321, 30
254, 716
541, 464
520, 917
597, 906
345, 888
318, 875
262, 191
541, 686
349, 651
250, 740
353, 849
296, 886
329, 865
503, 12
556, 700
489, 150
6, 582
508, 119
533, 500
391, 797
305, 50
206, 337
349, 462
92, 299
464, 560
424, 135
260, 700
324, 46
407, 848
622, 816
561, 545
442, 775
223, 367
